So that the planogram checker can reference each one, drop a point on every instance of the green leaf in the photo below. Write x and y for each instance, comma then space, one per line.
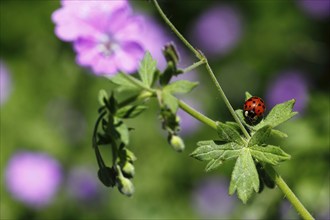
269, 154
260, 136
233, 125
277, 133
211, 149
229, 134
239, 113
247, 95
103, 97
244, 178
126, 82
170, 101
130, 111
279, 114
180, 86
147, 69
122, 129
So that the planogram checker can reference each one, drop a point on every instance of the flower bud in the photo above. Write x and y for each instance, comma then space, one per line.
130, 156
125, 186
176, 142
128, 170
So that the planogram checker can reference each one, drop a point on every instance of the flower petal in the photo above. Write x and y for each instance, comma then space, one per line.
128, 58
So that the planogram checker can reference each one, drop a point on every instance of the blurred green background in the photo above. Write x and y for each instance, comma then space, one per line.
52, 105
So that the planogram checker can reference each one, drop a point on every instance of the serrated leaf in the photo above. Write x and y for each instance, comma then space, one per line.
213, 164
170, 101
103, 96
228, 134
210, 150
278, 133
123, 131
147, 69
180, 86
130, 111
260, 136
126, 82
247, 95
279, 114
233, 125
269, 154
245, 177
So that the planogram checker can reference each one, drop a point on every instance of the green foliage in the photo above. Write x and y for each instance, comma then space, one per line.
244, 177
169, 101
279, 114
111, 129
251, 153
147, 70
269, 154
228, 134
216, 152
126, 82
171, 55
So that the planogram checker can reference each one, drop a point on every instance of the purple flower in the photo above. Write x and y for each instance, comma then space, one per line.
211, 199
83, 185
317, 9
218, 30
33, 178
288, 85
153, 37
105, 34
5, 83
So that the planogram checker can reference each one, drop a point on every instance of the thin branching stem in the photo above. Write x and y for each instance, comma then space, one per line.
278, 180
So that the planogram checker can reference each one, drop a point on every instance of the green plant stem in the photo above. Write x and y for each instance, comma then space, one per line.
195, 65
196, 52
289, 194
278, 180
209, 70
141, 96
225, 99
202, 118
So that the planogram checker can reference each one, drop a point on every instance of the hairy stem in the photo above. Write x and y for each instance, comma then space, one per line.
195, 65
209, 70
225, 99
289, 194
278, 180
196, 52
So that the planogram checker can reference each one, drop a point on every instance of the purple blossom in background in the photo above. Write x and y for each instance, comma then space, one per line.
317, 9
188, 123
153, 38
83, 185
288, 85
5, 83
218, 30
211, 199
105, 34
33, 178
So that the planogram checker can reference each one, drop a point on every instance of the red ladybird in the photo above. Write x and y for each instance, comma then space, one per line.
254, 108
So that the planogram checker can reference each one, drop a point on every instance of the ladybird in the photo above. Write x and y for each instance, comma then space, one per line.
254, 108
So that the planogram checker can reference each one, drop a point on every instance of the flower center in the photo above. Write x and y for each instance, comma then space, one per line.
107, 45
